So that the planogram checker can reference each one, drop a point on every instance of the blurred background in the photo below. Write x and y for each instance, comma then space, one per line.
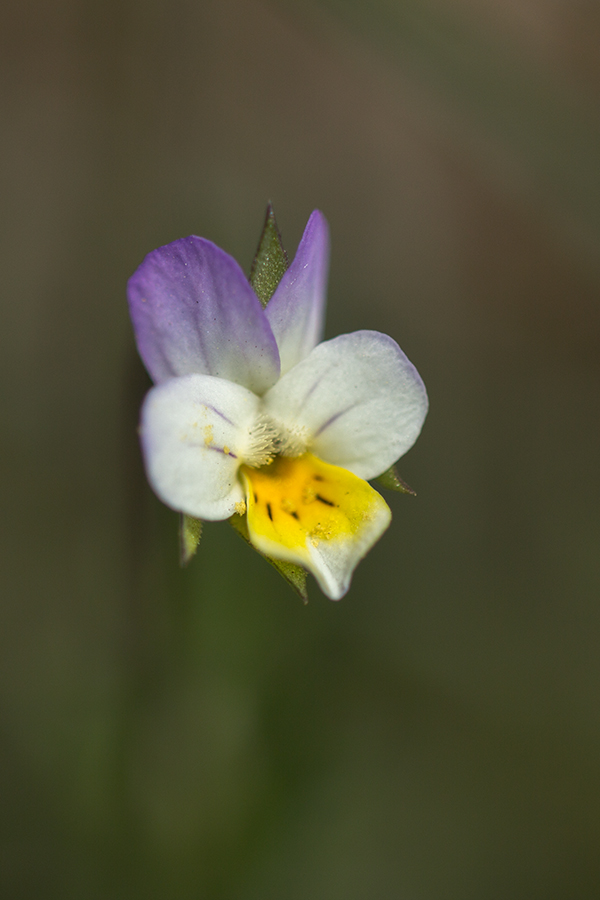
199, 733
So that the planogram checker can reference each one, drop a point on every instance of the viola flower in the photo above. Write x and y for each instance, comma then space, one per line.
251, 415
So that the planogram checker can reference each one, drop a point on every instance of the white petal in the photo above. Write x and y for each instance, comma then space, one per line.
193, 429
359, 400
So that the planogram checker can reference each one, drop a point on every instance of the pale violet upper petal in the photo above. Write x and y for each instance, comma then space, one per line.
193, 310
193, 431
359, 401
297, 308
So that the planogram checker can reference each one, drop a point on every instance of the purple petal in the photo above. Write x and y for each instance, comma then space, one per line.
193, 310
297, 308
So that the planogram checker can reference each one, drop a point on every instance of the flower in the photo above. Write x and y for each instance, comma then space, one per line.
250, 414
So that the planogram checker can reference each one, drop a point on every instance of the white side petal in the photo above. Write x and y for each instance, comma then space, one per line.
359, 400
193, 430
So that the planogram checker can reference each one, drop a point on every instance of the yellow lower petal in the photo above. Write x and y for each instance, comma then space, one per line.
317, 515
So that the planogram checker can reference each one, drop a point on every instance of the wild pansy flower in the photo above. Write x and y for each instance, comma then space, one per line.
251, 416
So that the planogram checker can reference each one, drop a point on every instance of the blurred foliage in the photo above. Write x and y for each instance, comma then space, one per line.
546, 130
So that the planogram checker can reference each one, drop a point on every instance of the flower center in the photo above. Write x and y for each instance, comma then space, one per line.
268, 439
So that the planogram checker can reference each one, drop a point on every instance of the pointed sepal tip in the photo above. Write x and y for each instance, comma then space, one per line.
270, 261
392, 481
190, 532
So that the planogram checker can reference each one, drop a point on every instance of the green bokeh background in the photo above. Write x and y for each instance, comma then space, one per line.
199, 733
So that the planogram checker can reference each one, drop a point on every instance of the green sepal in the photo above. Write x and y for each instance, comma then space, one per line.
392, 481
190, 532
294, 575
270, 261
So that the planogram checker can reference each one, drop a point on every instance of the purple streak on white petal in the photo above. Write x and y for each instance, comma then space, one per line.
332, 419
222, 450
193, 431
360, 399
193, 310
219, 413
297, 308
